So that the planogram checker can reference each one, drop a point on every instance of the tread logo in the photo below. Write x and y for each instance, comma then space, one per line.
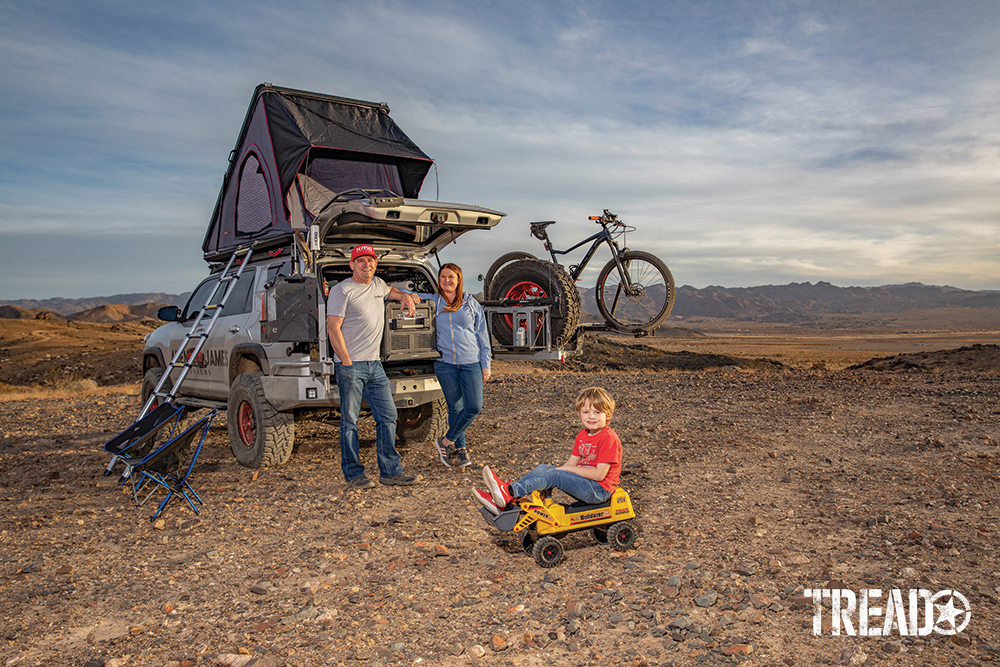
946, 612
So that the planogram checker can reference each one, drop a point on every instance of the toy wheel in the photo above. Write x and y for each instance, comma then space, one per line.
527, 542
548, 551
601, 535
621, 536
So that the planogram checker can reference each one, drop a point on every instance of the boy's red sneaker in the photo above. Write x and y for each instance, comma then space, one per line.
486, 500
498, 487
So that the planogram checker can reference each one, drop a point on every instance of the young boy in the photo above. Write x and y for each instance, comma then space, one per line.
590, 474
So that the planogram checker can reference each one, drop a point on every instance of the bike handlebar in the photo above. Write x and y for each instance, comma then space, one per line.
608, 218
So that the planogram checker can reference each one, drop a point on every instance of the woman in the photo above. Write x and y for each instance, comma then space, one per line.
464, 344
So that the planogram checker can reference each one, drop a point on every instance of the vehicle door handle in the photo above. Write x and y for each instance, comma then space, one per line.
234, 329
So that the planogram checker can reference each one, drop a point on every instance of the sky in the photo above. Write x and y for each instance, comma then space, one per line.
749, 143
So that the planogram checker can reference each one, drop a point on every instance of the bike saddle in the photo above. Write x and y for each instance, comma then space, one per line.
538, 228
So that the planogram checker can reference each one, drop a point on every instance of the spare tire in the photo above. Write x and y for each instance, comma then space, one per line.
500, 262
528, 278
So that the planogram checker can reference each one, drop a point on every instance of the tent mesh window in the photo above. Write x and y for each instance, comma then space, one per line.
253, 207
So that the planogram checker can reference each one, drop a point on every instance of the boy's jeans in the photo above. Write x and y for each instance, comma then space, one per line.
366, 380
462, 385
547, 476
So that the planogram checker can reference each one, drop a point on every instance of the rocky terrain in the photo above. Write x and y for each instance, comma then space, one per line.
754, 482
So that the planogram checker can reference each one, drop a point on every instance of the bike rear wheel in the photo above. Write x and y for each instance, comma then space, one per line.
641, 302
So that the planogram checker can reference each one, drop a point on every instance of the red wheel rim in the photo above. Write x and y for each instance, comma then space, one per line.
521, 291
246, 424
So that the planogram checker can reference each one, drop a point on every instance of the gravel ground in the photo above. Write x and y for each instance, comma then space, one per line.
752, 483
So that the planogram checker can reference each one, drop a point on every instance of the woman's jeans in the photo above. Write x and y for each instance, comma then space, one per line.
366, 380
547, 476
462, 385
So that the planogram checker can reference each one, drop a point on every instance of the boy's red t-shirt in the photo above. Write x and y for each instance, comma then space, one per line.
602, 447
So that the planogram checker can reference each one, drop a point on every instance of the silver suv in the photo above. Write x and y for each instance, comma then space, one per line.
267, 359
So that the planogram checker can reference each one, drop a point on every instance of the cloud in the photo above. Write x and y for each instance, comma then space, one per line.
747, 142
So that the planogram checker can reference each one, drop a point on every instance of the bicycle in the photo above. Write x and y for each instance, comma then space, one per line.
635, 290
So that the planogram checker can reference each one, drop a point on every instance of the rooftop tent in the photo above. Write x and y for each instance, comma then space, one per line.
295, 152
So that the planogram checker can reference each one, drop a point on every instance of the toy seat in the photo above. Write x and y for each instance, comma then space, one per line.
148, 473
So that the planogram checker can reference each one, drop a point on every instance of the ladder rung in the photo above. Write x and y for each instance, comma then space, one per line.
214, 306
228, 279
199, 334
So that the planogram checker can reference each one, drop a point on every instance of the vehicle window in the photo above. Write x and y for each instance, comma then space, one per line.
273, 271
198, 298
239, 300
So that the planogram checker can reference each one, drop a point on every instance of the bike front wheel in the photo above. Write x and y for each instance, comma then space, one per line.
642, 298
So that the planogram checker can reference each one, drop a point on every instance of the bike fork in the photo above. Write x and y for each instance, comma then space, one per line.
626, 282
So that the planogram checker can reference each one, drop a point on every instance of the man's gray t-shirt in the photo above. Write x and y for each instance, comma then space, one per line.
363, 310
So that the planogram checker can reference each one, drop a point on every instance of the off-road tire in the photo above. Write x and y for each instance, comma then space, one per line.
149, 382
534, 277
173, 460
423, 423
645, 310
621, 536
259, 435
500, 262
548, 551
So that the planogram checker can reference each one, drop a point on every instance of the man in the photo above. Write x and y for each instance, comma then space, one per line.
355, 320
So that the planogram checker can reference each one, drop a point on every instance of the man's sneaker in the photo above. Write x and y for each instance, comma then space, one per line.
402, 479
462, 458
443, 453
498, 487
486, 500
360, 483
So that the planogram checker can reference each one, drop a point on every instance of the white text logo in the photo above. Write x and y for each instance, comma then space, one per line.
916, 612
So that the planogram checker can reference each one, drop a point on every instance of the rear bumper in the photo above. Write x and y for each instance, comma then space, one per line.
287, 393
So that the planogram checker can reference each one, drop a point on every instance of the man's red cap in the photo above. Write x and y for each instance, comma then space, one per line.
361, 251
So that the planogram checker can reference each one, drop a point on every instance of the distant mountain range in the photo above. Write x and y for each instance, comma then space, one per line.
106, 309
106, 314
798, 302
795, 302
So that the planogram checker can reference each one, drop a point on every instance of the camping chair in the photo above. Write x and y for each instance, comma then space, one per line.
151, 472
141, 437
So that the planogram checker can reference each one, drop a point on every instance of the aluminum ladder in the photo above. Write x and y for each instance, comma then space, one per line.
200, 338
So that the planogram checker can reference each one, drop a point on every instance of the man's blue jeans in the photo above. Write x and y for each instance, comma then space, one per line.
366, 380
462, 385
547, 476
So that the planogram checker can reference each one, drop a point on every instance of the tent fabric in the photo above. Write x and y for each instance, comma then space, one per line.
296, 150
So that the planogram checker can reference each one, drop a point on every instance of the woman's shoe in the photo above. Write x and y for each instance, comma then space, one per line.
462, 458
443, 453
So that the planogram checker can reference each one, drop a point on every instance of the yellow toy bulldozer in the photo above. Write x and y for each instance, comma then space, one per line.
541, 521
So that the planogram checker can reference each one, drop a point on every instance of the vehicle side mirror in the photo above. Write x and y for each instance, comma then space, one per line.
169, 313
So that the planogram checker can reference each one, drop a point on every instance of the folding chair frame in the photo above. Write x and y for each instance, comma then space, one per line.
142, 476
142, 433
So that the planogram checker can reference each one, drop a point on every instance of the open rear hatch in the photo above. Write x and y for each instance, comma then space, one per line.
395, 226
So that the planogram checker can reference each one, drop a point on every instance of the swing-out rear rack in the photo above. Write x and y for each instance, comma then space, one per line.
535, 317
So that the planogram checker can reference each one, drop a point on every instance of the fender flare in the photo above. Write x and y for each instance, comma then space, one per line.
244, 351
155, 353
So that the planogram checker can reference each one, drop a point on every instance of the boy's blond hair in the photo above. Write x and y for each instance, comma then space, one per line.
597, 397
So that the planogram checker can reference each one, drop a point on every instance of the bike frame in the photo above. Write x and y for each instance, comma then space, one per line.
603, 236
